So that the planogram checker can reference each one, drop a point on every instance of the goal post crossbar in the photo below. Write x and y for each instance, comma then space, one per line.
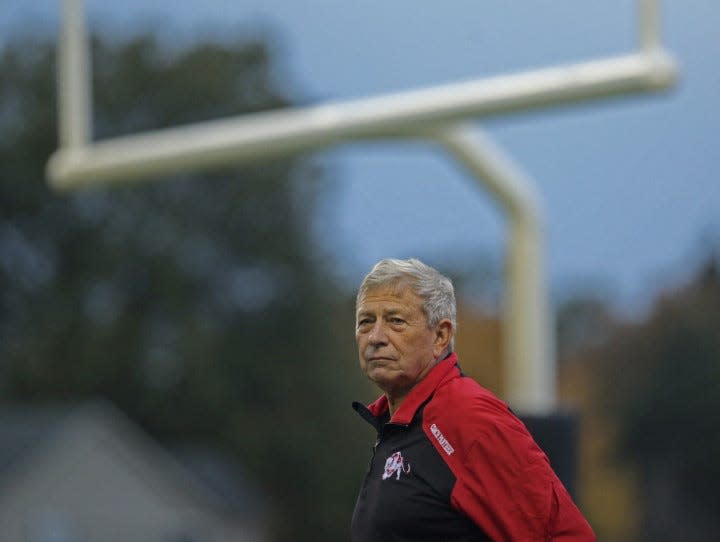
406, 114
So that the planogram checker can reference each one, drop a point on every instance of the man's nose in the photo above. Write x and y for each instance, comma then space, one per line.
377, 334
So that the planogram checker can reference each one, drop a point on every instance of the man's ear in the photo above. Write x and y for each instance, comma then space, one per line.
443, 335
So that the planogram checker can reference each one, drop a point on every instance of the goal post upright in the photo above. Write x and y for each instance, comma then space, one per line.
439, 113
649, 25
74, 79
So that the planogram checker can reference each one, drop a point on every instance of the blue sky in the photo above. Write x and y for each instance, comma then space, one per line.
630, 186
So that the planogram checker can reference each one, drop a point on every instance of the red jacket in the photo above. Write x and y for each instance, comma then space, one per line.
453, 463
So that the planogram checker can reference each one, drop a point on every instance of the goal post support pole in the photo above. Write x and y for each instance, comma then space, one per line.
528, 345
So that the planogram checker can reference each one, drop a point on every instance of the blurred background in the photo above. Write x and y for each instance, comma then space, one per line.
177, 358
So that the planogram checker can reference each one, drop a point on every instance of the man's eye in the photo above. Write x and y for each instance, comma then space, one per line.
396, 320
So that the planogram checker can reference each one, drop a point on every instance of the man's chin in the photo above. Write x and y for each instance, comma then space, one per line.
384, 377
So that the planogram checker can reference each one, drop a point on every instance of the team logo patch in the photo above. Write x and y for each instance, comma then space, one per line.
395, 466
444, 444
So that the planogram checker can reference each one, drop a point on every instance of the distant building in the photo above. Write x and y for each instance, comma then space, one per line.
90, 475
479, 346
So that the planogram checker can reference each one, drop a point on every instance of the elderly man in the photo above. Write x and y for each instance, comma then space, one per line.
451, 462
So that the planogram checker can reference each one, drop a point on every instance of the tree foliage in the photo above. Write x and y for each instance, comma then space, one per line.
663, 386
196, 304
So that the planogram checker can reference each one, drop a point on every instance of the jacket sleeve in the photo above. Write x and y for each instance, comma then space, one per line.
504, 481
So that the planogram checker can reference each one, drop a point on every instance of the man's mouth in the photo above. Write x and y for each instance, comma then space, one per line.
380, 359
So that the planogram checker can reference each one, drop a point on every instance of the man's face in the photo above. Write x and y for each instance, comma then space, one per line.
395, 345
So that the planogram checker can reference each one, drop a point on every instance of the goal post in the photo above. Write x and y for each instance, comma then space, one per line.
438, 113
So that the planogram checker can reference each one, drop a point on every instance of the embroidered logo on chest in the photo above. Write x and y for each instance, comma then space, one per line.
395, 466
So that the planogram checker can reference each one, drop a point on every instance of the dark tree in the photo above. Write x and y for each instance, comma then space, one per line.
663, 386
197, 304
